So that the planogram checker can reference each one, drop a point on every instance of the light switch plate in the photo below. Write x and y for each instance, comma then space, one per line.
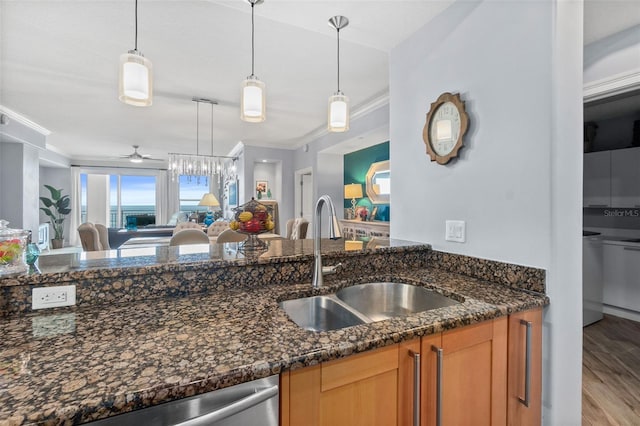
455, 231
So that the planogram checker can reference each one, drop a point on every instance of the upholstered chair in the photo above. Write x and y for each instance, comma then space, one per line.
189, 236
89, 237
230, 236
186, 225
297, 228
217, 227
103, 234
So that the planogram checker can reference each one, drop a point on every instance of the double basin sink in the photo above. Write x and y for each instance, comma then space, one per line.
361, 304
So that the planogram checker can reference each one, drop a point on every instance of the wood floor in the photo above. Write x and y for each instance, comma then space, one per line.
611, 373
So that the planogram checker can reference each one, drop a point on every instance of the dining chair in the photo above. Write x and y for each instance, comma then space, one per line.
186, 225
89, 237
189, 236
297, 228
230, 236
103, 235
217, 227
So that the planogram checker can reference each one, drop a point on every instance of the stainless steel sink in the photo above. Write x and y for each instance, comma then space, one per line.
320, 313
380, 301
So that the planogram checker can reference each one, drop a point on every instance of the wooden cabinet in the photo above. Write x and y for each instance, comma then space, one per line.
472, 375
625, 178
470, 364
359, 390
525, 369
597, 179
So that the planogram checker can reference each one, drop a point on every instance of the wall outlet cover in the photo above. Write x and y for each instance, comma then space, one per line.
53, 297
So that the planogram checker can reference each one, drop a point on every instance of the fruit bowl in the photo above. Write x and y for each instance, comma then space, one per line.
252, 218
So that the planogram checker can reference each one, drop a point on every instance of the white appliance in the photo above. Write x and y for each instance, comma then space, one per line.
592, 278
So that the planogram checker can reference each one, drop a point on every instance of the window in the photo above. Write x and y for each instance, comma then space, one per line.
191, 189
128, 195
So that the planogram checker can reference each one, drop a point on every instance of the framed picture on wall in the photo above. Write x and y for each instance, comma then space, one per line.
233, 193
262, 186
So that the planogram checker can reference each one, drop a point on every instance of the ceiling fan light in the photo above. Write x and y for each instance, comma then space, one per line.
338, 113
136, 77
135, 160
252, 108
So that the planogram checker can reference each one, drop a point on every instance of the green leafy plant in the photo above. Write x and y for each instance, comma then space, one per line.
57, 208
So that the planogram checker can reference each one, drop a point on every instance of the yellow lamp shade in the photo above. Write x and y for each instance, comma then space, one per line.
209, 200
353, 190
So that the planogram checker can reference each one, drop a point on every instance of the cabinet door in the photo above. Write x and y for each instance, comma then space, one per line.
625, 178
597, 179
409, 356
473, 375
358, 390
524, 408
621, 276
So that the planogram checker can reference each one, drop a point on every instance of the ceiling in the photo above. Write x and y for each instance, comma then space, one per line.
59, 67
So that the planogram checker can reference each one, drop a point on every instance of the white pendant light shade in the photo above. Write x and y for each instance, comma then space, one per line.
252, 103
136, 77
338, 113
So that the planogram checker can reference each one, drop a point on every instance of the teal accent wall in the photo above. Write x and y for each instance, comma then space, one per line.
356, 165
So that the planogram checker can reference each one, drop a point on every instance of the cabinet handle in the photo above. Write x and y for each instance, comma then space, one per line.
632, 248
439, 352
527, 364
416, 387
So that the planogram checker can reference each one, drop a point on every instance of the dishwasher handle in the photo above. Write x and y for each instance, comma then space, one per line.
233, 408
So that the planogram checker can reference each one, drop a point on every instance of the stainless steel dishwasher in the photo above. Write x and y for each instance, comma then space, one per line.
247, 404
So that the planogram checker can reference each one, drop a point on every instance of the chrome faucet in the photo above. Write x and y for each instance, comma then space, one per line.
334, 234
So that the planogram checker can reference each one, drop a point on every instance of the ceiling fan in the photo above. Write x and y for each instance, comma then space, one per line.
136, 157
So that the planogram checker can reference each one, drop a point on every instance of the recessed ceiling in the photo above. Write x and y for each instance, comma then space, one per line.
603, 18
59, 63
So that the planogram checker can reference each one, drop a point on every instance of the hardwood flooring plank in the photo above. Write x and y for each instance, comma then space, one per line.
611, 373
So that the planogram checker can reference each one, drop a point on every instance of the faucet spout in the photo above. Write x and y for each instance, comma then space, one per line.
334, 234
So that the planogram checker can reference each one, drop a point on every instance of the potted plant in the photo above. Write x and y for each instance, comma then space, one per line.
57, 208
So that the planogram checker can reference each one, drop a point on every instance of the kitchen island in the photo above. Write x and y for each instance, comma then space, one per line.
153, 331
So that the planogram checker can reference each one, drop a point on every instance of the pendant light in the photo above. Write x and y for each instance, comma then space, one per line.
136, 85
338, 117
252, 103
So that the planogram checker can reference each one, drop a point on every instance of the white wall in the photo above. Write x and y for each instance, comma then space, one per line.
501, 57
19, 177
271, 173
283, 177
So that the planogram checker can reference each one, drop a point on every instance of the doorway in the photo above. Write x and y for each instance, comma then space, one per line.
304, 195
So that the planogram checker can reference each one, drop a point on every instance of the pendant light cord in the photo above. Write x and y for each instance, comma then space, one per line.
136, 47
212, 129
197, 128
338, 30
252, 39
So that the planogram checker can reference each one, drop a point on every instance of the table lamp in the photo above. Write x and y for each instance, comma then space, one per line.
210, 201
353, 191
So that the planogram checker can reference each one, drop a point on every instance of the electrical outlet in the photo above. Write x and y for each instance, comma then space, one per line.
455, 231
53, 297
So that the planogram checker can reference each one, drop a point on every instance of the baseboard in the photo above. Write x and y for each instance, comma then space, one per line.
621, 312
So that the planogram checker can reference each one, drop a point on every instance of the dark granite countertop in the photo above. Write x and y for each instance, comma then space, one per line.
87, 363
143, 260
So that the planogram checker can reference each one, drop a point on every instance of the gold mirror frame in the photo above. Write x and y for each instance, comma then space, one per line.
381, 166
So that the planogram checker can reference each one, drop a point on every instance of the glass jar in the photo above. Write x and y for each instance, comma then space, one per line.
12, 247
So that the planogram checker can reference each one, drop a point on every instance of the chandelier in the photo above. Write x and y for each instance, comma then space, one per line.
197, 165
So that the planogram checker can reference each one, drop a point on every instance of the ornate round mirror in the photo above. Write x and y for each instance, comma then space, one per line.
378, 182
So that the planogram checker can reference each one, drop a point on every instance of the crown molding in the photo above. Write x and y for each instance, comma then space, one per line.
24, 121
611, 86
